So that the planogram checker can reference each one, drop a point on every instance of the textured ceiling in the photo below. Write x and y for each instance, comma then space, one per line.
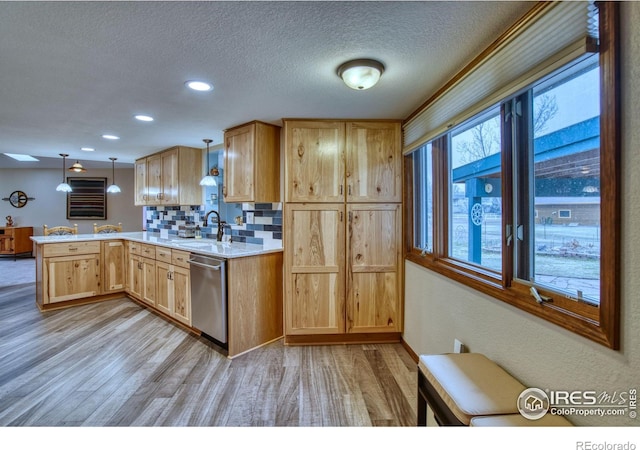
72, 71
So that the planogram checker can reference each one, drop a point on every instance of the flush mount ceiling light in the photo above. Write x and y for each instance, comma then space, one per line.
63, 187
113, 188
143, 118
112, 137
77, 167
87, 149
208, 180
361, 74
199, 85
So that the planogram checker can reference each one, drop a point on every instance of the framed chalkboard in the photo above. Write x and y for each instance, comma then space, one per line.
88, 198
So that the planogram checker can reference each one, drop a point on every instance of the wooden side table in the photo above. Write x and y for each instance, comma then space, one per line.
14, 241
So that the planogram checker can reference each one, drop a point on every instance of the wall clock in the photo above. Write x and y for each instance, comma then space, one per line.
18, 199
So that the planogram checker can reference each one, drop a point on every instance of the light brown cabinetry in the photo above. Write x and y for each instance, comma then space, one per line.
173, 284
252, 163
315, 268
15, 240
67, 271
334, 161
343, 231
113, 266
170, 177
159, 276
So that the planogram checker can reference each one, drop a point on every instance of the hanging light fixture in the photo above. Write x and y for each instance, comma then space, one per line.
361, 74
113, 188
77, 167
63, 187
208, 180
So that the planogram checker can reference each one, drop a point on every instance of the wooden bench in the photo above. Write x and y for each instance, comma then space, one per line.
464, 387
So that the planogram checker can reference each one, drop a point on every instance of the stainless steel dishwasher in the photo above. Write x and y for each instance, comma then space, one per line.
209, 296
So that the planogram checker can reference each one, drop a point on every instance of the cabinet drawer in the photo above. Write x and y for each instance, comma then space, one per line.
180, 258
163, 254
148, 250
135, 248
71, 248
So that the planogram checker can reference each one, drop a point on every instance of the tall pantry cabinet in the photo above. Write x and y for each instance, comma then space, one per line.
343, 231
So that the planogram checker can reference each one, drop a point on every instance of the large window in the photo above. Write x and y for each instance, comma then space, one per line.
525, 195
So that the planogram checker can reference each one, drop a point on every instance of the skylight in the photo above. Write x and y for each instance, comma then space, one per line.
18, 157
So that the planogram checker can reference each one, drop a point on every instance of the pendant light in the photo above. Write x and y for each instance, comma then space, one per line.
207, 180
113, 188
63, 187
77, 167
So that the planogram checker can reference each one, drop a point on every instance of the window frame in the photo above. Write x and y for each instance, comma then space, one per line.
597, 323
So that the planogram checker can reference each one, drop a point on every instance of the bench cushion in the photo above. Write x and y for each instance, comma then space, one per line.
471, 384
517, 420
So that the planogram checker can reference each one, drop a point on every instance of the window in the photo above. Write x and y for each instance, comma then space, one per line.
518, 195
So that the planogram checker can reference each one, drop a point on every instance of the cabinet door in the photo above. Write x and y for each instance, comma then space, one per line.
148, 280
239, 164
141, 194
113, 266
181, 294
154, 179
374, 268
169, 192
164, 288
72, 277
314, 268
314, 161
135, 276
373, 162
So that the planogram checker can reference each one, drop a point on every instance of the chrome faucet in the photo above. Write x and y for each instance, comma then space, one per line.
219, 222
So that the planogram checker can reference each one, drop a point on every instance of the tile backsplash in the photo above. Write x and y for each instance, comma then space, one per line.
265, 229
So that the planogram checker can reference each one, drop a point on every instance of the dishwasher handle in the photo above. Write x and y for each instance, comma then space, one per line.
207, 266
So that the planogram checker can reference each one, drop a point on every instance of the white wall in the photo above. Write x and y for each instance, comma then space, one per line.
540, 354
50, 206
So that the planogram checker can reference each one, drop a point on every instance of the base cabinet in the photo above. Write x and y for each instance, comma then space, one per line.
113, 266
173, 291
72, 277
15, 240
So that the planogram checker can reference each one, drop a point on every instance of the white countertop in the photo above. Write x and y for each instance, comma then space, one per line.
201, 246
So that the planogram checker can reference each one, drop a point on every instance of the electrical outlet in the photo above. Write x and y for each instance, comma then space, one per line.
458, 346
250, 217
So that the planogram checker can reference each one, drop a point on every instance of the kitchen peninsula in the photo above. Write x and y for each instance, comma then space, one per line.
154, 271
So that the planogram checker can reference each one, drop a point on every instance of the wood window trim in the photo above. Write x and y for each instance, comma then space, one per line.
600, 324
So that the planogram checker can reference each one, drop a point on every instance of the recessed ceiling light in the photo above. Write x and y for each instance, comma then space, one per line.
199, 85
143, 118
87, 149
110, 136
18, 157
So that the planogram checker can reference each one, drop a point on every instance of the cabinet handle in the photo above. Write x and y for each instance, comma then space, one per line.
340, 189
168, 275
73, 249
340, 216
224, 191
349, 189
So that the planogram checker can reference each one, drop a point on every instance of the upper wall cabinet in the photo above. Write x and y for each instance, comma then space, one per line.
373, 169
170, 177
252, 163
333, 161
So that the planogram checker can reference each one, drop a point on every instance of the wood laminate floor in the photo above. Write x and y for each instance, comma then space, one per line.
117, 364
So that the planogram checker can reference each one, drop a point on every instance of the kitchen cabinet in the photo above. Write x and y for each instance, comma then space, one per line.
173, 284
314, 161
315, 268
15, 240
170, 177
343, 269
374, 268
330, 161
113, 266
252, 163
67, 271
343, 231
